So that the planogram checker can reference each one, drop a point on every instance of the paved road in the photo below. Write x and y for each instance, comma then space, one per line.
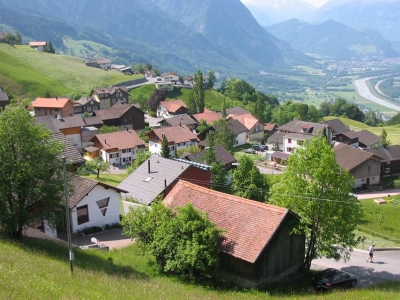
386, 266
363, 90
378, 194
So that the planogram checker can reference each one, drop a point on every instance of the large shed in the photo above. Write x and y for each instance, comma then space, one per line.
258, 246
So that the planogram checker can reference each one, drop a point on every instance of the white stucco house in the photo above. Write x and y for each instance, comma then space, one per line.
118, 148
179, 137
170, 76
291, 141
93, 203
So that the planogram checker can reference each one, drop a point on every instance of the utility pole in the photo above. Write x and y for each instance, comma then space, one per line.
67, 217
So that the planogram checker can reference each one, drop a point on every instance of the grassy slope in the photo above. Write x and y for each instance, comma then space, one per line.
393, 132
41, 270
111, 179
29, 73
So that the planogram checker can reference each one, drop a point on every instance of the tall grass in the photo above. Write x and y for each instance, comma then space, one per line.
40, 270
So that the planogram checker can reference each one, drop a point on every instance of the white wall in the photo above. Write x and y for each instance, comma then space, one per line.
358, 182
154, 148
75, 139
96, 218
240, 139
293, 144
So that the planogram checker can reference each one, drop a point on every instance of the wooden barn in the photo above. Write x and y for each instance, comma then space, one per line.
258, 246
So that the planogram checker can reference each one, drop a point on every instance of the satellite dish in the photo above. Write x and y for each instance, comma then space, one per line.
94, 240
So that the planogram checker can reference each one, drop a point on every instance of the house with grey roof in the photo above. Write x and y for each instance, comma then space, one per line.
93, 203
364, 166
222, 156
337, 126
86, 105
183, 120
364, 138
390, 159
158, 175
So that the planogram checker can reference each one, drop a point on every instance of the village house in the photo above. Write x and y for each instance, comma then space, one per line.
86, 105
239, 130
178, 138
291, 141
117, 148
121, 115
92, 203
158, 175
70, 152
222, 156
208, 116
150, 73
188, 80
110, 95
298, 127
87, 133
364, 166
258, 244
3, 100
269, 129
54, 107
38, 46
390, 159
337, 127
102, 63
172, 109
170, 77
364, 138
255, 127
126, 70
184, 120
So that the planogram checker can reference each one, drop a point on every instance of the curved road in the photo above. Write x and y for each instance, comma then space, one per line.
363, 90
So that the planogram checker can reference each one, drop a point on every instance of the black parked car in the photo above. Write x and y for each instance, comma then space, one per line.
256, 147
333, 278
263, 148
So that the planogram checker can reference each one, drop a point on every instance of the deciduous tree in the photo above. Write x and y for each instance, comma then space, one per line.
155, 99
31, 177
211, 79
248, 182
98, 165
316, 188
223, 135
183, 241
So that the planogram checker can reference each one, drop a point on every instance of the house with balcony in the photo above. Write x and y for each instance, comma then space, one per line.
178, 138
110, 95
86, 105
118, 148
54, 107
172, 109
121, 115
170, 77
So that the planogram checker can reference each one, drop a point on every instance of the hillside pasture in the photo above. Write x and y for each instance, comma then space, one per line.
58, 74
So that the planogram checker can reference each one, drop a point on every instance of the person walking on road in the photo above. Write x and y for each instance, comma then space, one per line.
371, 252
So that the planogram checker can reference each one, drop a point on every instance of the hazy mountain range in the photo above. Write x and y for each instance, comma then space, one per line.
379, 15
333, 39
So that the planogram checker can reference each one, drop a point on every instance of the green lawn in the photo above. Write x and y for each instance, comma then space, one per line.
372, 214
40, 270
23, 69
111, 179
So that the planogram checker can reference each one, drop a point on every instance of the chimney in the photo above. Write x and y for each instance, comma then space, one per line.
127, 129
180, 124
105, 141
148, 166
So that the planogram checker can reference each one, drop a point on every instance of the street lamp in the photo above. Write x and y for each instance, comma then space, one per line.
67, 216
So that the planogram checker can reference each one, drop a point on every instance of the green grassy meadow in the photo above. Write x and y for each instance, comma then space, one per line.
107, 178
28, 73
393, 132
40, 270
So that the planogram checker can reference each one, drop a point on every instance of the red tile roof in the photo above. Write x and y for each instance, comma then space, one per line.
269, 127
173, 105
126, 139
249, 225
247, 120
174, 135
51, 102
209, 116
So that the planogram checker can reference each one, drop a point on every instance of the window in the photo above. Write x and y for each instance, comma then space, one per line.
82, 214
89, 109
91, 102
113, 100
172, 147
94, 108
103, 204
387, 170
56, 109
123, 99
39, 109
289, 141
288, 149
